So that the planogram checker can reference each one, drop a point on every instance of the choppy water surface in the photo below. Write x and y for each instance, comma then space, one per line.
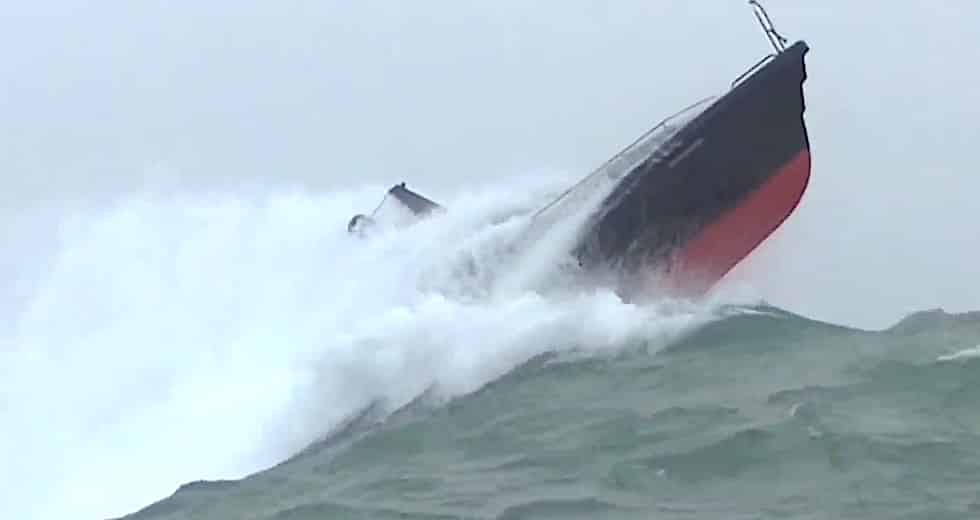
763, 415
248, 348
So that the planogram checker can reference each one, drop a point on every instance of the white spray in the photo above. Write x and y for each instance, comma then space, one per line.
174, 339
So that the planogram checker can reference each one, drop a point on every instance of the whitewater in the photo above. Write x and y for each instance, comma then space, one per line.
175, 337
229, 339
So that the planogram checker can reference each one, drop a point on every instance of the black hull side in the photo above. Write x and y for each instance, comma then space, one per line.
704, 172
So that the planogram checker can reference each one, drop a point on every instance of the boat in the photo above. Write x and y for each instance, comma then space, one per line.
691, 198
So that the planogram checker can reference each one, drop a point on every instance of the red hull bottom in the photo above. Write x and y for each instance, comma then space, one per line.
719, 246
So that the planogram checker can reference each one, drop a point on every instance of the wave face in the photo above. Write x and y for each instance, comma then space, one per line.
757, 413
169, 338
247, 347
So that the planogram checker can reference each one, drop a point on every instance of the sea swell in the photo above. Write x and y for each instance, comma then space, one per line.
166, 338
760, 414
246, 345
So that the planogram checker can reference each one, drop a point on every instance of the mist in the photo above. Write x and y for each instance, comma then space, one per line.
109, 106
105, 99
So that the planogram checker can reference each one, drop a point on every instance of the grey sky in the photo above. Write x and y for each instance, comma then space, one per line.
101, 98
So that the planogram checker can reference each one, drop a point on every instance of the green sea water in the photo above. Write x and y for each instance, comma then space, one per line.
758, 414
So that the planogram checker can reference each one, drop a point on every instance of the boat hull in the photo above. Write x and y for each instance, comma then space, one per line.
712, 193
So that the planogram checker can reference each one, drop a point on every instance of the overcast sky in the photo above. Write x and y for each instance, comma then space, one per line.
99, 98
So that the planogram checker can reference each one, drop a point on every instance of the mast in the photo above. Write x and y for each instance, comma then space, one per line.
775, 39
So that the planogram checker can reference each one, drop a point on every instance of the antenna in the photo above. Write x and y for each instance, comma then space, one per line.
776, 39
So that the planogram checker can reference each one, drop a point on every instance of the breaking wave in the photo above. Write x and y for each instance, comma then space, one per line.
246, 350
753, 414
169, 339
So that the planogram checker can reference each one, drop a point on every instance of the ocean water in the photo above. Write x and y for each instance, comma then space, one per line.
240, 356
